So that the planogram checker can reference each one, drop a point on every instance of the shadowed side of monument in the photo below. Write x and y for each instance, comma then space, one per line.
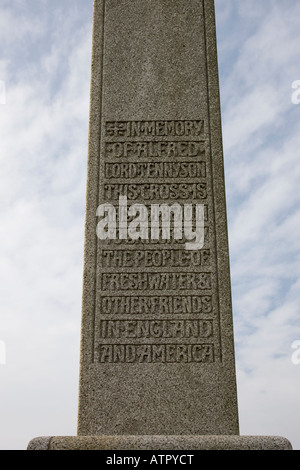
157, 368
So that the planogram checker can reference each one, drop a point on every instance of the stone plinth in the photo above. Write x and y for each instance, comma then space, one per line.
139, 443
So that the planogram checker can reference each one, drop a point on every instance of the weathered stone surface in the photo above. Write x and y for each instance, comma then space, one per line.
39, 443
163, 443
157, 353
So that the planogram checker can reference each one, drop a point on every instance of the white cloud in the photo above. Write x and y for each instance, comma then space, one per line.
14, 28
43, 153
261, 143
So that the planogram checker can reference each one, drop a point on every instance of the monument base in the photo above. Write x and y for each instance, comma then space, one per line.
140, 443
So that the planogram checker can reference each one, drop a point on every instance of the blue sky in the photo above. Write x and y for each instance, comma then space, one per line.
45, 66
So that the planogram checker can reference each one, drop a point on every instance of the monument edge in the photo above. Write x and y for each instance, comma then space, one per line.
218, 183
90, 238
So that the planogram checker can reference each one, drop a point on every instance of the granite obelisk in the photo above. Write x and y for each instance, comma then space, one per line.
157, 342
157, 351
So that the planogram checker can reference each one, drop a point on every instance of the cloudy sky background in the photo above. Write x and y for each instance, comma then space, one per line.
45, 66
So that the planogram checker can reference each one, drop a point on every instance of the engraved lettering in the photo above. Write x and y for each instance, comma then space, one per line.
154, 258
139, 353
156, 305
154, 170
151, 191
155, 300
154, 128
156, 329
153, 281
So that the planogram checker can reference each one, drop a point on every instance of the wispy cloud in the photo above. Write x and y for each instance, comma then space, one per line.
43, 135
261, 144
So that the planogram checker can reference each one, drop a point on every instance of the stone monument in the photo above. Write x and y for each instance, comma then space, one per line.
157, 352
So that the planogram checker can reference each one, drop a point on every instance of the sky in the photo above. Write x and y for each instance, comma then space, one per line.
45, 59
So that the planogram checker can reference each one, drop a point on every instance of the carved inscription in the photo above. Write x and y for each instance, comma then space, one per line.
154, 128
154, 258
154, 170
155, 281
155, 191
158, 149
156, 300
156, 305
144, 353
156, 329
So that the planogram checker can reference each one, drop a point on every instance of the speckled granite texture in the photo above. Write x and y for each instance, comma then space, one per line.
161, 443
